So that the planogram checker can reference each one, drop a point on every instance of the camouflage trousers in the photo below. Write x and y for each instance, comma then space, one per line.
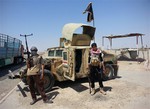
35, 81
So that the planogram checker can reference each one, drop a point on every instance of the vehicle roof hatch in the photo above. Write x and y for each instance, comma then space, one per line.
76, 39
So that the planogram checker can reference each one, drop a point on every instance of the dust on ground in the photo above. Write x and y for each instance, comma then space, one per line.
129, 90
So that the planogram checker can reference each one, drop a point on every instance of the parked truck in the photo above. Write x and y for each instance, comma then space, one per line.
69, 61
11, 50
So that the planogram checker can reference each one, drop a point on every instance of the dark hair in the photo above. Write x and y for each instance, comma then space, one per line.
93, 44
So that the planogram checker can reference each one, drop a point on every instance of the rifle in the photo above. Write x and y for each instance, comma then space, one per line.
27, 49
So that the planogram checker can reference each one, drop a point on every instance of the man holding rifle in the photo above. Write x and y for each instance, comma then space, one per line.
34, 77
34, 64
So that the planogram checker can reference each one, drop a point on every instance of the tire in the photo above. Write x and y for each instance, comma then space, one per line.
48, 80
115, 71
18, 60
109, 73
23, 74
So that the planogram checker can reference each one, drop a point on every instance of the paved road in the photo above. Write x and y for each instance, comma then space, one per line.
14, 68
6, 84
131, 90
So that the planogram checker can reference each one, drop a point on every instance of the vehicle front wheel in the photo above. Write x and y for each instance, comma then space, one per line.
48, 80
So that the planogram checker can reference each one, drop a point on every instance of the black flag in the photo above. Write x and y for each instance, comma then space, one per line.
90, 16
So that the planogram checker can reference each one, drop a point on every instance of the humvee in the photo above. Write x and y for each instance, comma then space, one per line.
69, 61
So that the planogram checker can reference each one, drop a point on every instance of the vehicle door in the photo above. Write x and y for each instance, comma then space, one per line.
68, 64
85, 60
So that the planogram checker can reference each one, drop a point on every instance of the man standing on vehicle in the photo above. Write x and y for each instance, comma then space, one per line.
34, 64
96, 67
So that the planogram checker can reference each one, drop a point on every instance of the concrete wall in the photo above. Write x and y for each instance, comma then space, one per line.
144, 54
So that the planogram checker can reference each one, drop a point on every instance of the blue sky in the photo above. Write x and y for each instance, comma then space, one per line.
46, 18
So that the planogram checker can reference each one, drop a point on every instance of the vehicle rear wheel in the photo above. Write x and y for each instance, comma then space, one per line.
108, 74
18, 60
115, 70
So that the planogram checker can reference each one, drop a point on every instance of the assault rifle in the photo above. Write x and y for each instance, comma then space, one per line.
27, 50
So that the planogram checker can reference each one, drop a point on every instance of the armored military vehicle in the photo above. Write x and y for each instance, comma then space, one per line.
69, 61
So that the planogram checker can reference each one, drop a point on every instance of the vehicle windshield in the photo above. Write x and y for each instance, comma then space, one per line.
51, 53
59, 53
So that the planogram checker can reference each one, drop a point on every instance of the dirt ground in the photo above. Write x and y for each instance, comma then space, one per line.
130, 90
